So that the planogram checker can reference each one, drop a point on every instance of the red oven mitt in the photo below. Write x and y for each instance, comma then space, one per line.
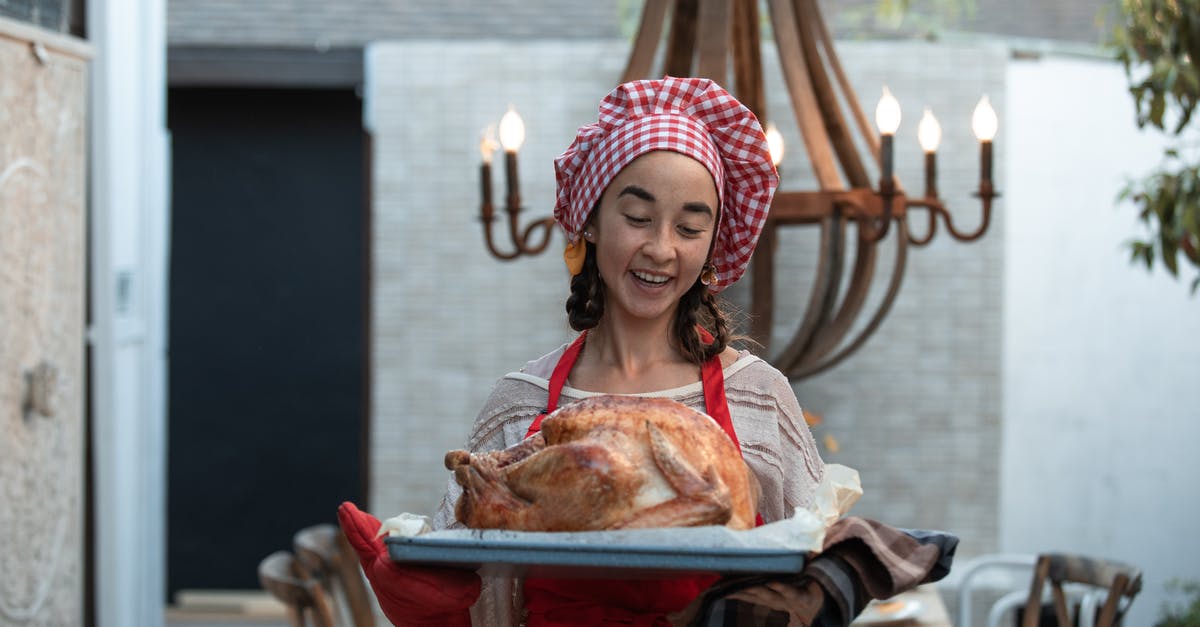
410, 596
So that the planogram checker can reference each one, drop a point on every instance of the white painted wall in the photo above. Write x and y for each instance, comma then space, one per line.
1101, 360
129, 227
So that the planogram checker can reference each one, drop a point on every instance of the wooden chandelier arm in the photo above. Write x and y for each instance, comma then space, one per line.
838, 132
747, 58
856, 295
829, 256
682, 38
865, 129
713, 35
804, 101
809, 369
645, 44
762, 286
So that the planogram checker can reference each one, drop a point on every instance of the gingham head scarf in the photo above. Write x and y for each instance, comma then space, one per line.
691, 116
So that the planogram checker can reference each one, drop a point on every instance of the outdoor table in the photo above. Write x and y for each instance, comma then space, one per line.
932, 610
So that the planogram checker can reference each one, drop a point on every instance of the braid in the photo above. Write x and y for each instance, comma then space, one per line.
686, 319
700, 307
719, 320
585, 305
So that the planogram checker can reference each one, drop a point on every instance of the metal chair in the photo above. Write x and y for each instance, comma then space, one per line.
280, 575
973, 570
325, 555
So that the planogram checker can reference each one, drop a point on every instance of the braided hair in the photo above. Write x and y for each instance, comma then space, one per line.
698, 306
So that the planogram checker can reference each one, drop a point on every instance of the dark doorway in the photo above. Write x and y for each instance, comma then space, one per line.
268, 286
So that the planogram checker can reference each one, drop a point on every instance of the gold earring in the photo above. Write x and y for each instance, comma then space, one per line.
708, 275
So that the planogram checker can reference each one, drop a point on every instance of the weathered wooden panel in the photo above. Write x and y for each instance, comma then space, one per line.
42, 288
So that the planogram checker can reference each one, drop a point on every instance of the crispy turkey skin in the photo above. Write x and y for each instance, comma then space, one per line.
610, 462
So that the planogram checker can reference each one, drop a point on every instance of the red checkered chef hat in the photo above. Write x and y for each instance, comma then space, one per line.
692, 116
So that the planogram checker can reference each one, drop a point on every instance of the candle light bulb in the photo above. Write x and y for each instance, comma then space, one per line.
984, 121
775, 144
887, 113
487, 143
512, 130
929, 132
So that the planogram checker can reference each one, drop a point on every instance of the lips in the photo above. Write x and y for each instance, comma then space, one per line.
650, 280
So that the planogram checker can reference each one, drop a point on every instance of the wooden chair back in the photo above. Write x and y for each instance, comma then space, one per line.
325, 555
280, 575
1123, 583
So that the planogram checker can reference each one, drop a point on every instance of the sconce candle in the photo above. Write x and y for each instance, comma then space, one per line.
512, 135
985, 162
485, 181
929, 134
887, 118
487, 147
985, 123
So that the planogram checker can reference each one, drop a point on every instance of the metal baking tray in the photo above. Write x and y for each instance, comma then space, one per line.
540, 555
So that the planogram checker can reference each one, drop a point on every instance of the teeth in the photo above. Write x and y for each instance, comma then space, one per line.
650, 278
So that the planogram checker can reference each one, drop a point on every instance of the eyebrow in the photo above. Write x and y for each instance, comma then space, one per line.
640, 192
695, 206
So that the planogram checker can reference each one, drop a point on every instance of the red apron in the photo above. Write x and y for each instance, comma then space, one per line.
554, 602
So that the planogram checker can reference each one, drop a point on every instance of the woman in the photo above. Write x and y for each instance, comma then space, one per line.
662, 201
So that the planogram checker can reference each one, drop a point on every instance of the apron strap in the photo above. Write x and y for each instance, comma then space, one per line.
712, 379
557, 380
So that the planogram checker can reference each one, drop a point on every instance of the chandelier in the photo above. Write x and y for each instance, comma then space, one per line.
706, 38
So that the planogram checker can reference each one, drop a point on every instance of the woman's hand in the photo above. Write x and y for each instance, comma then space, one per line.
408, 595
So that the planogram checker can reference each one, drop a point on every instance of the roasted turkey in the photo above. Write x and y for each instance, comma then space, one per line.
610, 462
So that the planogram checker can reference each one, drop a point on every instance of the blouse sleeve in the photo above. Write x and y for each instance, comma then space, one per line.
776, 441
503, 421
804, 468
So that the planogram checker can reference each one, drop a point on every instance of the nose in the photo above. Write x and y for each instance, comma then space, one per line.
659, 246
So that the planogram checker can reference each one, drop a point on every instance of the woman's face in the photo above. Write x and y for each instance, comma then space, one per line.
652, 233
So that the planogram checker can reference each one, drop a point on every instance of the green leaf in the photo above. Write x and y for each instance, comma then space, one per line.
1185, 116
1141, 252
1170, 252
1158, 105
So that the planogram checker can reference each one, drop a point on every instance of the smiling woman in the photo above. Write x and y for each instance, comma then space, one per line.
662, 201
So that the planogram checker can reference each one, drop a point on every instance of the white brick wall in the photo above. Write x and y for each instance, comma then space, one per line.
917, 410
449, 319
